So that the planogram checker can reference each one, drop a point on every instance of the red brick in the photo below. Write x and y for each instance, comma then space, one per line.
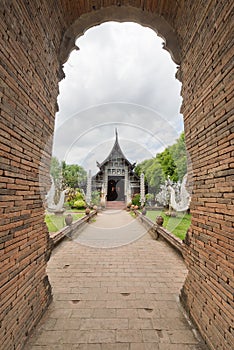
29, 76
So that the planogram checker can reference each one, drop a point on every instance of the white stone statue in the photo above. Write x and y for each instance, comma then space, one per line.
60, 204
51, 206
142, 189
184, 202
129, 198
88, 196
50, 195
163, 197
103, 196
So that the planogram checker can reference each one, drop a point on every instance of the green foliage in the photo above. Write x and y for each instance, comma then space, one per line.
179, 154
64, 176
168, 165
174, 160
171, 162
74, 175
149, 197
132, 214
76, 199
136, 199
141, 167
153, 173
95, 197
79, 204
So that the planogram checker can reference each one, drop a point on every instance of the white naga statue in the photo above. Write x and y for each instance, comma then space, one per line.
51, 206
184, 202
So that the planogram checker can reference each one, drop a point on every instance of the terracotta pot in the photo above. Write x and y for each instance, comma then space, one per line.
87, 211
143, 211
159, 220
68, 219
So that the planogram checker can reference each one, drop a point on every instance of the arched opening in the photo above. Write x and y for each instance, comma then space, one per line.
36, 40
115, 191
124, 80
122, 72
120, 14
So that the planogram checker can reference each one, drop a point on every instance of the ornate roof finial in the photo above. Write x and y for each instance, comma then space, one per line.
116, 134
116, 152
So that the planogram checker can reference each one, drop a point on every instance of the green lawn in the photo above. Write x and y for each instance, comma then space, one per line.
178, 225
69, 210
57, 222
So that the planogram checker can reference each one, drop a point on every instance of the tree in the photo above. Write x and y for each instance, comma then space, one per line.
179, 155
168, 165
172, 163
74, 176
154, 175
143, 166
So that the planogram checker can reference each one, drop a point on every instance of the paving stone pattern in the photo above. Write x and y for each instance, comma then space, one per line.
115, 298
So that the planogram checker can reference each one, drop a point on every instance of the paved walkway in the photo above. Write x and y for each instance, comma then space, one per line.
122, 298
111, 228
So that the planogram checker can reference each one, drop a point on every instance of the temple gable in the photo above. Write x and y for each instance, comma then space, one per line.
116, 180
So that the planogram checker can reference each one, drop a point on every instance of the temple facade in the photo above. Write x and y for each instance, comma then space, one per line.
116, 180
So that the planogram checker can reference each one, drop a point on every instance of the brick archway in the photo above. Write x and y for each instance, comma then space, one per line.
121, 14
36, 38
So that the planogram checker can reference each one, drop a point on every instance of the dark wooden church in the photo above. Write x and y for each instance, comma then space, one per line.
116, 180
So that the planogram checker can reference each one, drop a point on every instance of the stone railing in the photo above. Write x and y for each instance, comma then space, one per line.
157, 231
67, 231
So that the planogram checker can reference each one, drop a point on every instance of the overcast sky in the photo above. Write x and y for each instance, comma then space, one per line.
121, 77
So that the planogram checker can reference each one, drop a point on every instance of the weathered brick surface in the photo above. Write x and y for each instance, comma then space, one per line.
28, 103
31, 34
206, 76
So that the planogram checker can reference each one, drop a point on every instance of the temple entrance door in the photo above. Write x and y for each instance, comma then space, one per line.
115, 190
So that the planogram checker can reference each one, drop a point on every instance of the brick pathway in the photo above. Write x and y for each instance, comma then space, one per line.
123, 298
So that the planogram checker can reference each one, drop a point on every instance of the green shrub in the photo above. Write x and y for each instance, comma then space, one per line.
76, 199
79, 196
136, 199
79, 204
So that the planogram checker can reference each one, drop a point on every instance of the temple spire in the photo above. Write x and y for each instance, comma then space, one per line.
116, 134
115, 152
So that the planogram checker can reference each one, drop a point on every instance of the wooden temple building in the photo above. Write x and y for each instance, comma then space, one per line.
116, 180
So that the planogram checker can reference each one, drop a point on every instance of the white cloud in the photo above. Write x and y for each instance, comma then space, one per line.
121, 77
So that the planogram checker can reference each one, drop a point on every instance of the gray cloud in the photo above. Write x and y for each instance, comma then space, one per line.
120, 78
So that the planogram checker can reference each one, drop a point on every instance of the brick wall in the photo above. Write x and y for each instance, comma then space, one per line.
208, 114
31, 33
28, 93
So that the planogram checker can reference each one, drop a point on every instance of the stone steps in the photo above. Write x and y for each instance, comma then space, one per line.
115, 205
